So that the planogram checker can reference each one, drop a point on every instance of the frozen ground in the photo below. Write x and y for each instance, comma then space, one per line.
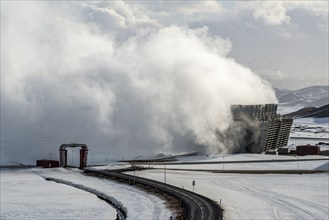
48, 200
298, 165
310, 131
257, 196
294, 165
26, 195
313, 121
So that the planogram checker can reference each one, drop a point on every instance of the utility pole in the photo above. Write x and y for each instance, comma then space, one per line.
165, 174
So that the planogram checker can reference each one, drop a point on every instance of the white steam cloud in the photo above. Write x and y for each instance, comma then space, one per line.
65, 78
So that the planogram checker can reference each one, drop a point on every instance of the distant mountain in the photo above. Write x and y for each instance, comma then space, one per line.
311, 112
314, 96
281, 92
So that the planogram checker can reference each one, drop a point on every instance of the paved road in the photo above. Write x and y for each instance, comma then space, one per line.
196, 207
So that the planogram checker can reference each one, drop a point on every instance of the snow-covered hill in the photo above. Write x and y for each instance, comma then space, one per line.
312, 112
306, 96
308, 93
290, 101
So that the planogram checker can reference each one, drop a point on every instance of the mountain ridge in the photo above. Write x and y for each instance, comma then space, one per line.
311, 112
313, 96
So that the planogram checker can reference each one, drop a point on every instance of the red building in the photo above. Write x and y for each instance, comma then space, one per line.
303, 150
47, 163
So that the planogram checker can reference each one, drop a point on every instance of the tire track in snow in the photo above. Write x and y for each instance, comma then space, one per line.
236, 211
283, 202
288, 201
276, 213
283, 205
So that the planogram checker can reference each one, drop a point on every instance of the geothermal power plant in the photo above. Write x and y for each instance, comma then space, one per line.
261, 128
256, 129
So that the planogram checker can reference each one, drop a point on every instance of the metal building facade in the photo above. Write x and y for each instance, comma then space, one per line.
264, 129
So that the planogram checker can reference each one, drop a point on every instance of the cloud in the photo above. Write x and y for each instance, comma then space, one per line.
277, 12
117, 14
182, 12
318, 8
271, 12
286, 46
192, 8
68, 79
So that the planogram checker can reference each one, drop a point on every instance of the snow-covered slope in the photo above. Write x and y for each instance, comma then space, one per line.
312, 112
305, 95
314, 96
26, 194
291, 101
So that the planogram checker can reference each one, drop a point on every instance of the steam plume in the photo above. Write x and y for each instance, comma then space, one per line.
154, 89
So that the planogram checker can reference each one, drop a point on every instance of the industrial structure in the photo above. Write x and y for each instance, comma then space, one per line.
63, 154
47, 163
260, 128
303, 150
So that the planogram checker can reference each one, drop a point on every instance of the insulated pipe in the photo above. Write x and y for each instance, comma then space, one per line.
83, 157
62, 157
63, 154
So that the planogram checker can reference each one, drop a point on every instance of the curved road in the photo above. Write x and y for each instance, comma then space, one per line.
196, 207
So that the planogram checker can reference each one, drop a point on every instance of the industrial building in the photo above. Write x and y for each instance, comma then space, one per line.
303, 150
258, 128
47, 163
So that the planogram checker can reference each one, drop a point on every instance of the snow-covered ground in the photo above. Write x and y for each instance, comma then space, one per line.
250, 196
294, 165
313, 121
298, 165
25, 194
310, 131
256, 196
286, 108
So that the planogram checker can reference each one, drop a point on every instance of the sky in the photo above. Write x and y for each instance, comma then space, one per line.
145, 77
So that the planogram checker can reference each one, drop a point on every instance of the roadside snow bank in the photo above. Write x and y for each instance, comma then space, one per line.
121, 211
139, 204
26, 195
